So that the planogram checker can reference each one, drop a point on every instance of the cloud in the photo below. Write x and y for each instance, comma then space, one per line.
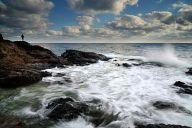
99, 6
185, 10
85, 22
126, 22
25, 15
157, 16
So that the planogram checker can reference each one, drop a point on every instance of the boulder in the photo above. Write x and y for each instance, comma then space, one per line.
189, 72
159, 126
1, 37
65, 108
184, 88
69, 109
126, 65
82, 58
21, 63
164, 105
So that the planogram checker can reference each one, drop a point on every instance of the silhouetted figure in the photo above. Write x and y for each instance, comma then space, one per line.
1, 36
22, 36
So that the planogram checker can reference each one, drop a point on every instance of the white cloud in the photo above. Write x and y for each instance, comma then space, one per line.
25, 15
98, 6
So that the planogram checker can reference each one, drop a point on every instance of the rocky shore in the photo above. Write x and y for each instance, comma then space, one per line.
21, 63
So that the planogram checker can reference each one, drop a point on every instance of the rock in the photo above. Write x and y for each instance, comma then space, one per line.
163, 105
67, 109
157, 64
19, 77
45, 74
21, 63
60, 75
10, 122
184, 88
1, 37
126, 65
189, 72
159, 126
82, 58
117, 64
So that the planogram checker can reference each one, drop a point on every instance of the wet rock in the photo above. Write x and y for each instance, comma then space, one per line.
10, 122
82, 58
19, 77
189, 72
67, 109
118, 65
126, 65
1, 37
60, 75
157, 64
159, 126
184, 88
163, 105
45, 74
101, 118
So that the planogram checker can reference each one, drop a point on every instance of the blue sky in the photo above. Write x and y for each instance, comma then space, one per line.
101, 20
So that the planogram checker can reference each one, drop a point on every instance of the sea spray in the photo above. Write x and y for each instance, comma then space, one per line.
166, 55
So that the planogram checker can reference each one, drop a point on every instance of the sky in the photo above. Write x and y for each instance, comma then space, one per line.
97, 21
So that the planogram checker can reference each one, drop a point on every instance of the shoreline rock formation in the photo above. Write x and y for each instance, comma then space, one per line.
21, 63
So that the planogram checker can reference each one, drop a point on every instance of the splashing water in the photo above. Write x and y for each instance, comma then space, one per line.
166, 56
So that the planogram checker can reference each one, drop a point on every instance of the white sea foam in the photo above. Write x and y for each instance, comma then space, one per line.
78, 123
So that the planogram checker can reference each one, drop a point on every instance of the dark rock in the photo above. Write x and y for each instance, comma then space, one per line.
1, 37
82, 58
67, 109
126, 65
163, 105
159, 126
189, 72
184, 88
101, 118
45, 74
21, 63
157, 64
59, 75
19, 77
10, 122
118, 65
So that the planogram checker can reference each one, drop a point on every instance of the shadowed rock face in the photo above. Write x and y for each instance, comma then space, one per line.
163, 105
10, 122
184, 88
82, 58
66, 109
21, 63
189, 72
69, 109
160, 126
18, 62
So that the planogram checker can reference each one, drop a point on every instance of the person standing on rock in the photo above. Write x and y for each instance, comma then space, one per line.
22, 36
1, 36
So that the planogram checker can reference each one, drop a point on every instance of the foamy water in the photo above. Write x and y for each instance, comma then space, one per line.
128, 92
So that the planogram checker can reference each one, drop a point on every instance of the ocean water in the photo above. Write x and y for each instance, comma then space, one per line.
128, 92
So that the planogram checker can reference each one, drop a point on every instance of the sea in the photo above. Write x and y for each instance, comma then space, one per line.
128, 92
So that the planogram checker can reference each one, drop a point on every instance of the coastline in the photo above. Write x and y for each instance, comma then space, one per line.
28, 62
